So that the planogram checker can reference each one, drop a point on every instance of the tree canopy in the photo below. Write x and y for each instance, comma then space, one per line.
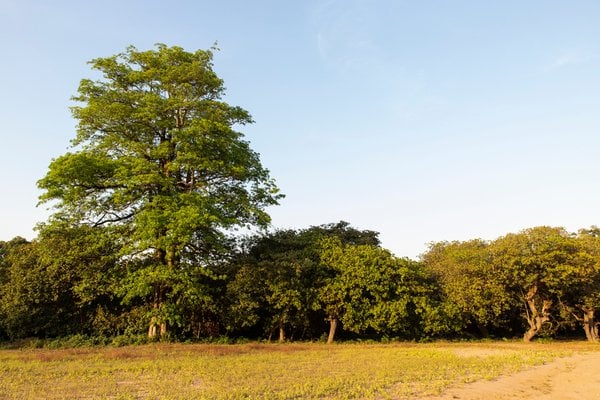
473, 288
539, 264
145, 238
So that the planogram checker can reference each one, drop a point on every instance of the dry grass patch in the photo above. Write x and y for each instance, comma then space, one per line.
264, 371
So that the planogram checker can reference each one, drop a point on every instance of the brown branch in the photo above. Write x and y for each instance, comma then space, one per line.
117, 218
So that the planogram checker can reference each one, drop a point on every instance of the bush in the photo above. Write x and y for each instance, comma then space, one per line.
127, 340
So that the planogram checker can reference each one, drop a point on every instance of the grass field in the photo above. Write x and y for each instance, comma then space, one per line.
264, 371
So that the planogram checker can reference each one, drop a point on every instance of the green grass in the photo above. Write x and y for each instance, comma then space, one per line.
264, 371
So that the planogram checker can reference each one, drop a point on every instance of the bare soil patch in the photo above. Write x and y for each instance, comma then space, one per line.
575, 377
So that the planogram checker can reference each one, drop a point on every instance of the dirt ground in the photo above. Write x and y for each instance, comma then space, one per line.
576, 377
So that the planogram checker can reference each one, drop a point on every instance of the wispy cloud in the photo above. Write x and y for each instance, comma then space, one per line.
572, 58
345, 34
350, 39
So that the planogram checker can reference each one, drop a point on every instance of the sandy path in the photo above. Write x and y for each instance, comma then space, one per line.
576, 377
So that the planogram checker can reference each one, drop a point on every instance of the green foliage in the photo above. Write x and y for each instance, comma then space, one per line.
79, 280
544, 257
53, 282
580, 301
277, 279
369, 288
473, 289
541, 265
156, 158
585, 290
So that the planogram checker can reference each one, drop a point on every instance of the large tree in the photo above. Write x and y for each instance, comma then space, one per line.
158, 159
473, 289
370, 289
581, 300
541, 265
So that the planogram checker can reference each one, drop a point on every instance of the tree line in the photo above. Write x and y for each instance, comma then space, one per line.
309, 284
144, 238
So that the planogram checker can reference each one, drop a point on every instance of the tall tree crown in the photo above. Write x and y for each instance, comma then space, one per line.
156, 150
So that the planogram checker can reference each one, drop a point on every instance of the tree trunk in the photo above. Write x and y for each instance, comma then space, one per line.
531, 332
483, 331
152, 328
589, 325
332, 328
166, 258
535, 325
281, 332
535, 319
156, 326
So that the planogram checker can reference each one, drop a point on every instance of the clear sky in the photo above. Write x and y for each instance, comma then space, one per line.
423, 120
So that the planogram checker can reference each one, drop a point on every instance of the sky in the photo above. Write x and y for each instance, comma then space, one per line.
422, 120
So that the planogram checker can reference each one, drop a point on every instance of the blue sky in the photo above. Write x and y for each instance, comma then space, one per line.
423, 120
